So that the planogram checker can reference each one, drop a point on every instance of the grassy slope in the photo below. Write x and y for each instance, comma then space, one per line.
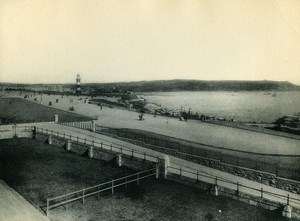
26, 111
37, 170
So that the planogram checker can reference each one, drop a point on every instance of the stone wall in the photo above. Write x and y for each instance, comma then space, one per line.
234, 194
98, 153
255, 175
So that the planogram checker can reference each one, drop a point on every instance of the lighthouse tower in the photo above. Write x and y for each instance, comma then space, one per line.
78, 88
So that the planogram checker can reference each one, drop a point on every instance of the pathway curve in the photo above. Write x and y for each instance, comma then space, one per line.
175, 162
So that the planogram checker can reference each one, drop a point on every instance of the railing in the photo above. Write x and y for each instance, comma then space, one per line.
103, 145
85, 125
84, 193
183, 171
14, 130
270, 163
199, 152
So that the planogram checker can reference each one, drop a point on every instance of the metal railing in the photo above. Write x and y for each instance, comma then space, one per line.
183, 171
102, 145
84, 193
269, 163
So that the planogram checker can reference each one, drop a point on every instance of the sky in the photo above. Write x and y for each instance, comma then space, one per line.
50, 41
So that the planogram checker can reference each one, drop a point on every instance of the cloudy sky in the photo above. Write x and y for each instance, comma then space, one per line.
51, 41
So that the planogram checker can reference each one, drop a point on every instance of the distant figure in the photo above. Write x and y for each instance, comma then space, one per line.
155, 113
100, 105
141, 117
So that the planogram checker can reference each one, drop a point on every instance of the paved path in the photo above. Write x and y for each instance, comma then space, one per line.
14, 207
176, 162
228, 137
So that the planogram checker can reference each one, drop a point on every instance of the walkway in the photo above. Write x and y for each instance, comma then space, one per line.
175, 162
14, 207
210, 134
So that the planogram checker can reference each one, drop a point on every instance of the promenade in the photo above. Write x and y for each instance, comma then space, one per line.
177, 163
192, 130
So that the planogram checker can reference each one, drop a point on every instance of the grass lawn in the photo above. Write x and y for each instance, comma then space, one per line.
37, 171
22, 111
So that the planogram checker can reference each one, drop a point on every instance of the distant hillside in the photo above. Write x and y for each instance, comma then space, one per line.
191, 85
160, 86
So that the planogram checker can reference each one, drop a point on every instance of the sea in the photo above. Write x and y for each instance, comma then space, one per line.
257, 106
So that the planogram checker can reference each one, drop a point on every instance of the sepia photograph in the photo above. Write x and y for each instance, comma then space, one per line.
145, 110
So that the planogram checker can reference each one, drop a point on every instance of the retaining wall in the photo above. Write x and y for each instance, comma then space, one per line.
98, 153
233, 194
251, 174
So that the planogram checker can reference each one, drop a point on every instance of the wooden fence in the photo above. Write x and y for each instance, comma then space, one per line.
84, 193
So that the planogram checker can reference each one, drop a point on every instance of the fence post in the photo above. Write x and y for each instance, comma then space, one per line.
144, 156
132, 153
47, 211
66, 203
77, 138
287, 210
83, 196
156, 171
101, 145
111, 147
112, 187
197, 176
98, 193
216, 180
262, 193
180, 170
138, 179
237, 188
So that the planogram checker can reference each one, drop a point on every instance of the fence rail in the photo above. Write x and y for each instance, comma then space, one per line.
238, 187
180, 170
84, 193
102, 145
255, 161
270, 163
